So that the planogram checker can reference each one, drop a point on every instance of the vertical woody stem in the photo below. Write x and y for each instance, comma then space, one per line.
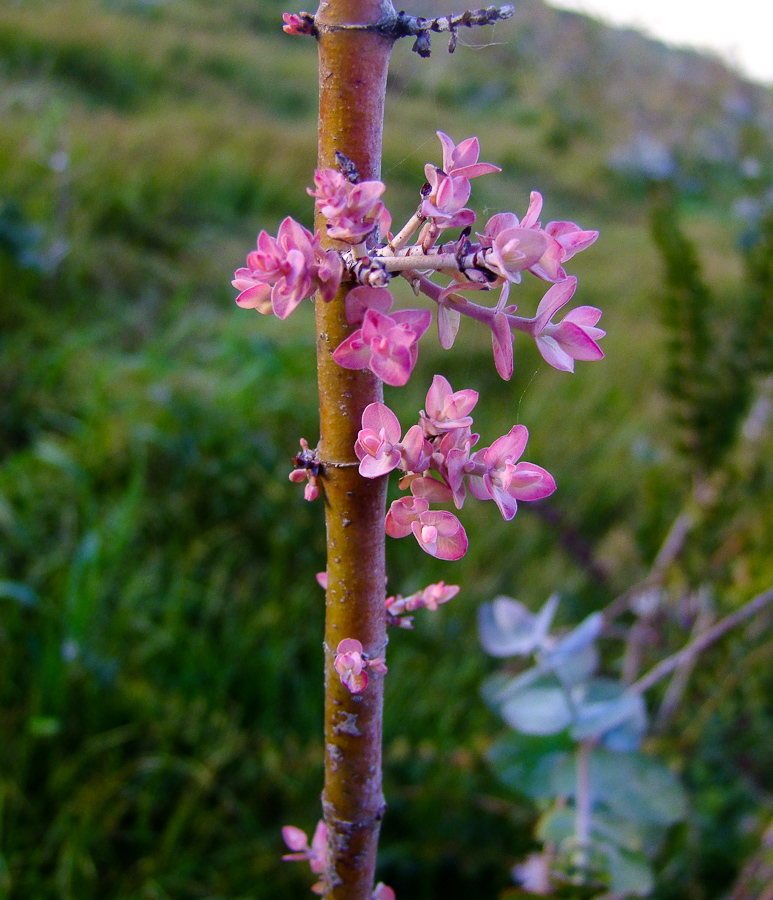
352, 76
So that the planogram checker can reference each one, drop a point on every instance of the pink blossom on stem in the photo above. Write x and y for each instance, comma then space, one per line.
445, 203
402, 514
350, 663
378, 442
316, 854
431, 597
503, 479
307, 466
439, 533
383, 892
352, 210
575, 337
378, 445
387, 345
502, 336
329, 274
462, 159
298, 23
515, 249
285, 270
561, 241
446, 409
434, 595
360, 299
571, 238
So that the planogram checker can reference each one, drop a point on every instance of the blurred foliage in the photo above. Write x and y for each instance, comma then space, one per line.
714, 361
160, 626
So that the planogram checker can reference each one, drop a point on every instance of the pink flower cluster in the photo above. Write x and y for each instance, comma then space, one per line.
575, 337
351, 662
298, 23
440, 466
307, 466
430, 597
386, 343
287, 269
317, 857
352, 210
449, 187
514, 245
316, 854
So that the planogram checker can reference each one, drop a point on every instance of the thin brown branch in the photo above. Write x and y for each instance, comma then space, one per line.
697, 646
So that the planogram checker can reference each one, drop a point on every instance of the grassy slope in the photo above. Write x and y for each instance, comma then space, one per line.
160, 637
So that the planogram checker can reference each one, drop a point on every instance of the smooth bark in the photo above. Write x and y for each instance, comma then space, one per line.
353, 56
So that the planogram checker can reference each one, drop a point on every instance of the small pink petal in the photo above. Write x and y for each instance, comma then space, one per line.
356, 682
360, 299
376, 416
295, 838
257, 297
502, 341
554, 355
431, 490
556, 297
447, 325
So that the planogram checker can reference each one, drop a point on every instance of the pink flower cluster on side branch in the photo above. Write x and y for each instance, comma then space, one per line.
575, 337
439, 466
449, 187
352, 210
284, 270
515, 245
287, 269
386, 343
430, 597
351, 662
315, 855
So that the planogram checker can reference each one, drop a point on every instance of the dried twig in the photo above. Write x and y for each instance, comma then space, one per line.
694, 647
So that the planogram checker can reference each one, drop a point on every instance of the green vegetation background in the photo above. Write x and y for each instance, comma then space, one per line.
160, 625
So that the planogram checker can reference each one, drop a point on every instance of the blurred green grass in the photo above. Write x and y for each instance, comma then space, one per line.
160, 626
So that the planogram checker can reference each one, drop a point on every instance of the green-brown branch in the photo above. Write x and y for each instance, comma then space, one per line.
352, 77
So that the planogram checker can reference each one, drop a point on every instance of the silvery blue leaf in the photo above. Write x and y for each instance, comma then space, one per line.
578, 639
574, 668
505, 689
628, 736
507, 628
544, 619
538, 710
634, 787
595, 718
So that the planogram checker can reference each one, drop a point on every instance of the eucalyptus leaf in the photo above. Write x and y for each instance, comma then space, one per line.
607, 828
633, 786
539, 709
502, 690
578, 639
629, 872
595, 718
494, 687
626, 737
557, 825
525, 763
573, 668
507, 628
